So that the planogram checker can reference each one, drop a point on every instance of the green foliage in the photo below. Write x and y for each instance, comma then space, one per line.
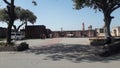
27, 16
3, 15
23, 15
102, 5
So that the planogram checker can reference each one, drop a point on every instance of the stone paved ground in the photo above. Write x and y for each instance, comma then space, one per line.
58, 53
42, 42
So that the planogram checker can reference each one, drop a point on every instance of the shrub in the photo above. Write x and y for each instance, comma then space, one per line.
97, 42
112, 49
22, 46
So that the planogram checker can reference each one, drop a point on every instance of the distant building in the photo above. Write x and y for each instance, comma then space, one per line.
35, 31
74, 33
115, 31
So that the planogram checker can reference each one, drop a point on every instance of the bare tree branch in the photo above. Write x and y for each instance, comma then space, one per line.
14, 26
116, 7
100, 5
6, 2
20, 26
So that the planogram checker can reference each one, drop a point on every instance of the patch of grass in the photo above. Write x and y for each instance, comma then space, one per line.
2, 44
1, 39
5, 44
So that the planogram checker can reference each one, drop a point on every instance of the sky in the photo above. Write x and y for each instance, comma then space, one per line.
57, 14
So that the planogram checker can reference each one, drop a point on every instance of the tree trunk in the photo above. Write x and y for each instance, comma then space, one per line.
107, 29
107, 20
9, 31
11, 21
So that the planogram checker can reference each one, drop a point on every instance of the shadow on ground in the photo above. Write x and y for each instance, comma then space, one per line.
74, 53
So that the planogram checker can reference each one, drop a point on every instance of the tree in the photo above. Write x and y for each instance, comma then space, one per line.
105, 6
24, 15
11, 14
12, 17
